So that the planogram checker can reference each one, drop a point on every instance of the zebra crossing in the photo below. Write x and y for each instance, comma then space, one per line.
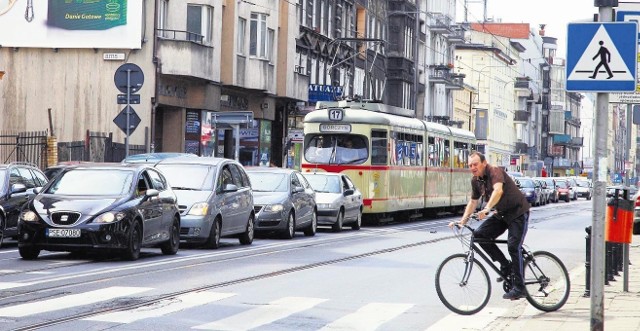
252, 315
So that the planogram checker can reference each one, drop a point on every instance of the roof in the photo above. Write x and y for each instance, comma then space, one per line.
214, 161
270, 170
509, 30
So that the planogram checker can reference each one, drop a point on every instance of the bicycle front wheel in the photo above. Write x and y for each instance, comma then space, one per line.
463, 286
547, 281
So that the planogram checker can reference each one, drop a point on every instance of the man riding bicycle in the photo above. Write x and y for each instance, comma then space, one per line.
512, 213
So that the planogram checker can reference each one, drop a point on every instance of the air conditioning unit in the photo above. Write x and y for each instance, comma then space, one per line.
299, 69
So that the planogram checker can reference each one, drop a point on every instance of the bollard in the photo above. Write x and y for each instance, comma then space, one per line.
607, 263
587, 263
618, 250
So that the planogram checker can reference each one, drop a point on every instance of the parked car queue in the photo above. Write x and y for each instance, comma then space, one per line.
120, 208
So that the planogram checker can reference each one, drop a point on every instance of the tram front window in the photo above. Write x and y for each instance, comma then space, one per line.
336, 149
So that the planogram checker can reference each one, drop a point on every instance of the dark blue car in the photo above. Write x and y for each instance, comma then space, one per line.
530, 190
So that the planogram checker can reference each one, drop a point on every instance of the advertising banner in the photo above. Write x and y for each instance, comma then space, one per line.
71, 24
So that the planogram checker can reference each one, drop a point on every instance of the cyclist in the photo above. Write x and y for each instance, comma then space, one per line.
512, 213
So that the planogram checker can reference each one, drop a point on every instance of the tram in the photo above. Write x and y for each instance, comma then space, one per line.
403, 166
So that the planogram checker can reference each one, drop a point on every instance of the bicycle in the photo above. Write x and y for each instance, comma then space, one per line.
464, 287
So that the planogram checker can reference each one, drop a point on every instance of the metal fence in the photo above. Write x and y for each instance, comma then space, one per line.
28, 147
97, 147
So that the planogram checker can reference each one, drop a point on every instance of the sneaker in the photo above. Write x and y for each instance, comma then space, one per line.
504, 269
514, 294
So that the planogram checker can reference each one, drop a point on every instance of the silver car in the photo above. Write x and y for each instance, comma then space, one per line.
339, 201
214, 198
284, 201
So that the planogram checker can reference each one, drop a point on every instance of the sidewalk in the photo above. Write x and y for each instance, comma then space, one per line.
621, 309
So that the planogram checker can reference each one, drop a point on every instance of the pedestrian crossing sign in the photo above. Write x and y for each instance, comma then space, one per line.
602, 57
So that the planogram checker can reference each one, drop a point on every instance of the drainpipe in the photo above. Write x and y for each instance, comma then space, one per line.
157, 64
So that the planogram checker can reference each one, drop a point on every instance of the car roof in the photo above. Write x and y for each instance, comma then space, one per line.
195, 160
146, 157
270, 170
110, 166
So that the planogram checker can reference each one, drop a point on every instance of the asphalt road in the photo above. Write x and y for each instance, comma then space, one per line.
377, 278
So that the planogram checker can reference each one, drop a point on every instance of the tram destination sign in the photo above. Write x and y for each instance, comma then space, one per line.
335, 127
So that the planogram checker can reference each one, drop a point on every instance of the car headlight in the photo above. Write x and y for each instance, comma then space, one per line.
199, 209
274, 208
109, 217
29, 216
529, 193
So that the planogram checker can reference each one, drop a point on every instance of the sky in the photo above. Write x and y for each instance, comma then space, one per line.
556, 14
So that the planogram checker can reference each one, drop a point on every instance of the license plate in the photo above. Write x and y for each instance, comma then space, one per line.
63, 233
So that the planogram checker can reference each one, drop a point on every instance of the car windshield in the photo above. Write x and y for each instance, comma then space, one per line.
200, 177
561, 184
108, 182
266, 182
549, 182
526, 183
324, 184
2, 175
582, 183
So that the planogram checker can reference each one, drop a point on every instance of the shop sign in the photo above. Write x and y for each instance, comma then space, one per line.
324, 92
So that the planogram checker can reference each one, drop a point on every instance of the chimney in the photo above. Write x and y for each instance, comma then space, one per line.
541, 32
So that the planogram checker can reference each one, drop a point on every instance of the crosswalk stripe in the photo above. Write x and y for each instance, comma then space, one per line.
266, 314
477, 321
161, 308
369, 317
68, 301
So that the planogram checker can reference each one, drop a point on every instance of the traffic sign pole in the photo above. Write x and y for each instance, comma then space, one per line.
599, 200
126, 139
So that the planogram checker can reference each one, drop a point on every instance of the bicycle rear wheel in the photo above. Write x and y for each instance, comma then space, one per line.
460, 296
547, 281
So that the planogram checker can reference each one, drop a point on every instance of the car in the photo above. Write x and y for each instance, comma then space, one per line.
564, 192
572, 187
338, 201
545, 192
636, 213
215, 199
18, 182
115, 208
551, 187
584, 189
284, 201
154, 157
530, 189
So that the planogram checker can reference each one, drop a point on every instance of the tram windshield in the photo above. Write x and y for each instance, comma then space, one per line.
336, 149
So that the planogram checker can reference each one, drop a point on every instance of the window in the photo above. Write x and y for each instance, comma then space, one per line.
163, 9
41, 179
242, 26
26, 178
379, 153
157, 181
237, 177
271, 38
258, 35
200, 24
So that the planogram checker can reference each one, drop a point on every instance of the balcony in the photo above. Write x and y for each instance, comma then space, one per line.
561, 139
456, 36
177, 48
521, 148
521, 116
440, 23
441, 74
521, 83
575, 121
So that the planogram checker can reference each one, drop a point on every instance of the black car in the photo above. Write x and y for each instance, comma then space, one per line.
118, 208
17, 184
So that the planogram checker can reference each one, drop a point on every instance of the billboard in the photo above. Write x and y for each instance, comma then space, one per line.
71, 24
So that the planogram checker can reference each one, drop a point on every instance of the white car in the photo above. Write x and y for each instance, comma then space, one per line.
338, 201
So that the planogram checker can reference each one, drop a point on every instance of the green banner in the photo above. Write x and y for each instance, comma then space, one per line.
87, 14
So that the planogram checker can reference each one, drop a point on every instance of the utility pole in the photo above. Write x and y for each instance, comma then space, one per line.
600, 180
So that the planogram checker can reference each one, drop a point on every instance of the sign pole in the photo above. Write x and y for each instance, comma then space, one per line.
599, 200
126, 139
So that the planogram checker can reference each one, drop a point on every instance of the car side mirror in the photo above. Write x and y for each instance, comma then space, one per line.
18, 188
348, 192
151, 193
230, 188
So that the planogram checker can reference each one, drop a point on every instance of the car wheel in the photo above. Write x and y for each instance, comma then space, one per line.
132, 251
3, 226
337, 226
589, 197
29, 253
214, 234
566, 199
247, 237
358, 224
290, 231
311, 230
171, 246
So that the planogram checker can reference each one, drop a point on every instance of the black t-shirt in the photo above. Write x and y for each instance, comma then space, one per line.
512, 203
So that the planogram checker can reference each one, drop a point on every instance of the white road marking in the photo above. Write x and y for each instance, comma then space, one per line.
478, 321
369, 317
266, 314
161, 308
69, 301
